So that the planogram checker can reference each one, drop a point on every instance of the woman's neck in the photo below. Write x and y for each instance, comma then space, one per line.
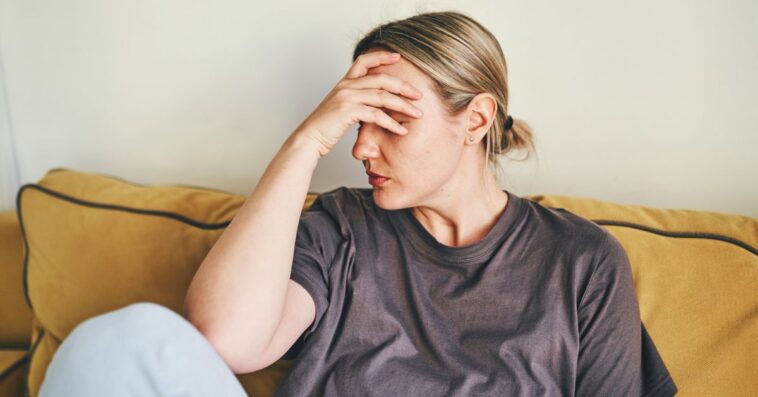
463, 218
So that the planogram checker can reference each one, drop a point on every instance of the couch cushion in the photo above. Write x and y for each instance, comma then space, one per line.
15, 315
695, 273
96, 243
13, 366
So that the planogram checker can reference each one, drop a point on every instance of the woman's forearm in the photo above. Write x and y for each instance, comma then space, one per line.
237, 296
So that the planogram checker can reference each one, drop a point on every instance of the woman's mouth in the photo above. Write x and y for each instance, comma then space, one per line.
376, 179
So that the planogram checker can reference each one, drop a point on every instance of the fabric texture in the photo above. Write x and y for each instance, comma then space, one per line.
544, 304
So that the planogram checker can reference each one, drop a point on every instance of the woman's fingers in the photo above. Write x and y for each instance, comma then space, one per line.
366, 61
360, 97
386, 82
371, 114
384, 99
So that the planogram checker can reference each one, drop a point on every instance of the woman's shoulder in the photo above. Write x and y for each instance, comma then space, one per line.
346, 197
564, 225
343, 204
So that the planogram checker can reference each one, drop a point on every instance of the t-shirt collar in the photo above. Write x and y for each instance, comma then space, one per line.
425, 243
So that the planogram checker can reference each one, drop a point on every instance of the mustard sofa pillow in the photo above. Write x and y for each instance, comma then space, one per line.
94, 243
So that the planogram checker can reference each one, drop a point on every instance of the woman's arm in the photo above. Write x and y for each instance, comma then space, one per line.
237, 297
617, 357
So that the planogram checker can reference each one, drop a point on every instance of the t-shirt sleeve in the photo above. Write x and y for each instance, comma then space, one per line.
617, 357
318, 236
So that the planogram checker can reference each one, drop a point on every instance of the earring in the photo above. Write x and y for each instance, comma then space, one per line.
471, 139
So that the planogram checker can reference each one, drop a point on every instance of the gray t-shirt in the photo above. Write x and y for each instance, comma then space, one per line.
543, 305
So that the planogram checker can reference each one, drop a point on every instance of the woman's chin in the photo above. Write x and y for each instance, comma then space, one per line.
387, 199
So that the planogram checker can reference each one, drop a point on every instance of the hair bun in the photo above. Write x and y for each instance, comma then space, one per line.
508, 123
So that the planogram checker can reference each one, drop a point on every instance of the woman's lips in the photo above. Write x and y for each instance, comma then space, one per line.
377, 180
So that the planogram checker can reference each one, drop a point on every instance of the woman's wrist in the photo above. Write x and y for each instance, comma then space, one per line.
301, 141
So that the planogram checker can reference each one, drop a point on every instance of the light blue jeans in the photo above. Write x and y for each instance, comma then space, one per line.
143, 349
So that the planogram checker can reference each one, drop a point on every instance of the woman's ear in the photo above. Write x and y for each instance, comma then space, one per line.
481, 110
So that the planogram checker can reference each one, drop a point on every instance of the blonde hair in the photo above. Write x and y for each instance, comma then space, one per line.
464, 59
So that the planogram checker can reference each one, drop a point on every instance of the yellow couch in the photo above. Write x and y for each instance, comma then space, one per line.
80, 244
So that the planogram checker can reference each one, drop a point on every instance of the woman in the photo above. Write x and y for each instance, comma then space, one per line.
434, 282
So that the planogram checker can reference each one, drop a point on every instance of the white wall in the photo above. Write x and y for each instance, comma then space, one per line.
646, 102
9, 181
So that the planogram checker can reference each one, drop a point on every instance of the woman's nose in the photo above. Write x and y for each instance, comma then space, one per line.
366, 144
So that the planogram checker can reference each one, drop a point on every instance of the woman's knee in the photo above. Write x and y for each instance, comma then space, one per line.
144, 315
138, 322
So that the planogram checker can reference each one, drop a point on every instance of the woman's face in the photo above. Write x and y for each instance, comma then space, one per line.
421, 165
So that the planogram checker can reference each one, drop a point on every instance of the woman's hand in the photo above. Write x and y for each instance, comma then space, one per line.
359, 97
